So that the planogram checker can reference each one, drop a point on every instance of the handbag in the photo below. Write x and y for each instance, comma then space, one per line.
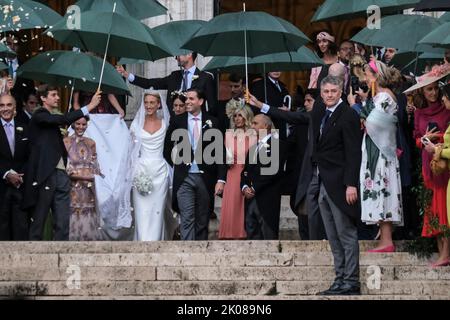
438, 165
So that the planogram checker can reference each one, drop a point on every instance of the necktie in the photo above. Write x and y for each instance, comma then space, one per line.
278, 86
10, 136
11, 69
185, 81
196, 132
324, 120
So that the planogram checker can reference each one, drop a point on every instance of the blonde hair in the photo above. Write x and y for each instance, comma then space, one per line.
388, 77
246, 113
153, 94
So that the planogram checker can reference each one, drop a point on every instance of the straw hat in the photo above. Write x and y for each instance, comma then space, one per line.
437, 73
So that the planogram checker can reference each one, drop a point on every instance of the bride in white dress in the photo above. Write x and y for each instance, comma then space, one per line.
151, 174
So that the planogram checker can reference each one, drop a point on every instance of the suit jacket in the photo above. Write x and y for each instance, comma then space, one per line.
172, 82
210, 172
274, 99
22, 117
337, 153
267, 187
17, 162
47, 148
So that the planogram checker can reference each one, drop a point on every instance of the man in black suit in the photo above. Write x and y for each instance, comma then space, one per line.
14, 151
273, 95
261, 183
336, 160
47, 185
181, 80
197, 177
30, 103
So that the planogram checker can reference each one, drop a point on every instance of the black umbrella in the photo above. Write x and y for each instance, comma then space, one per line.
433, 5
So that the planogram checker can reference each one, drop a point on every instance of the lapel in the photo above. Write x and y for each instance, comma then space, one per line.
196, 73
4, 145
332, 121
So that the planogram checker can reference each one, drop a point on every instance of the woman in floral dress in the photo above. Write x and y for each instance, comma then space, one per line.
381, 198
81, 167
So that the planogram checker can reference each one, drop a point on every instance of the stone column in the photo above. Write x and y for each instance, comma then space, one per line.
177, 10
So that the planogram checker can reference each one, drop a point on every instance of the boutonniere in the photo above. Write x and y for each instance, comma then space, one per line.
63, 132
195, 77
208, 123
266, 145
19, 129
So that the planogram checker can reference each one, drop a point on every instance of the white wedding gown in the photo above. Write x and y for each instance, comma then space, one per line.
151, 210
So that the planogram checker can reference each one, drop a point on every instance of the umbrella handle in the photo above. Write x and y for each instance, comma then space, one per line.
289, 99
106, 52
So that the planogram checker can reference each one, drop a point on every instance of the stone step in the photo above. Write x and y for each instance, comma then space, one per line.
244, 297
182, 273
211, 288
222, 246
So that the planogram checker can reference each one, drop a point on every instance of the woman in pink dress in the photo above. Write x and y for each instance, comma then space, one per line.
237, 143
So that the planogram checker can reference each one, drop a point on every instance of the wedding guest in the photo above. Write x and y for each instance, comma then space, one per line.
108, 103
237, 143
82, 166
178, 102
30, 103
431, 118
326, 48
14, 152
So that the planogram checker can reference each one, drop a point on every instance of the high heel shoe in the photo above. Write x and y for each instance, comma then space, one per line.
385, 249
440, 264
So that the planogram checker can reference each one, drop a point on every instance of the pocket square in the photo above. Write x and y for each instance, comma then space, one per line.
24, 139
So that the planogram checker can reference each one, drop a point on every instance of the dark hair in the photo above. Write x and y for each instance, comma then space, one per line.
332, 47
313, 92
236, 77
446, 90
194, 56
44, 89
27, 95
346, 40
199, 93
176, 96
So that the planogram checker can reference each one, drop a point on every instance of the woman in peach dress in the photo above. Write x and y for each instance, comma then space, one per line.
237, 143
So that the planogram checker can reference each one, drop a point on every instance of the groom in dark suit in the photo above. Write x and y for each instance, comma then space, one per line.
14, 151
336, 160
181, 80
195, 178
47, 185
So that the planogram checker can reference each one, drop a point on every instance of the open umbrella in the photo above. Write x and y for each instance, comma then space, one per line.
25, 14
349, 9
127, 36
411, 61
302, 59
6, 52
399, 31
138, 9
445, 17
440, 37
176, 33
225, 35
73, 69
433, 5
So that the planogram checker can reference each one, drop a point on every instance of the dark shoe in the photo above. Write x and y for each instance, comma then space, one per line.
335, 287
348, 290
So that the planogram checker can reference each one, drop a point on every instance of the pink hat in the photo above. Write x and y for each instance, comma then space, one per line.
437, 73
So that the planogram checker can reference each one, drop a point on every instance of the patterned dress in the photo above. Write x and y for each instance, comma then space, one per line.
82, 160
381, 198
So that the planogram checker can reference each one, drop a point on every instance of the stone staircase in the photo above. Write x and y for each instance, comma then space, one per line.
205, 270
288, 221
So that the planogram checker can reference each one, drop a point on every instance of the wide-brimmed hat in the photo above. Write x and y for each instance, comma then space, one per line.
436, 74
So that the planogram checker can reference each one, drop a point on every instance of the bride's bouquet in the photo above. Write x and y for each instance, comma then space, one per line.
143, 184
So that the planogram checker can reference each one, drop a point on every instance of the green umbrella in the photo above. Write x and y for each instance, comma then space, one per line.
127, 37
445, 17
225, 35
130, 61
25, 14
73, 69
440, 37
3, 66
412, 61
399, 31
6, 52
349, 9
302, 59
176, 33
138, 9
